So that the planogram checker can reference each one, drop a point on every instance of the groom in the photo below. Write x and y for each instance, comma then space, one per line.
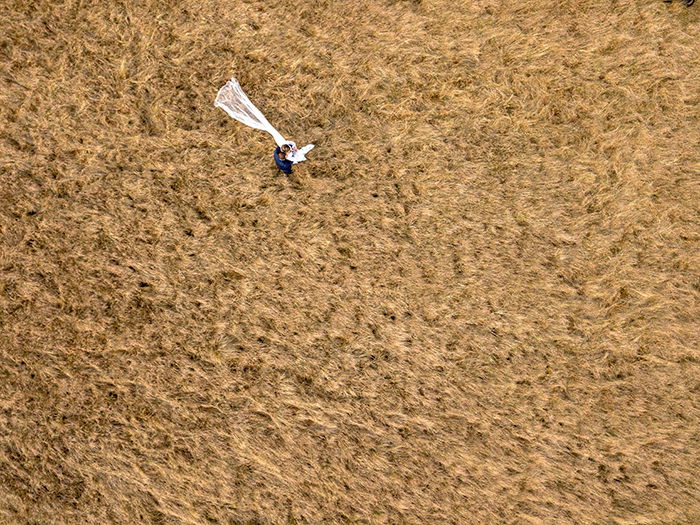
281, 159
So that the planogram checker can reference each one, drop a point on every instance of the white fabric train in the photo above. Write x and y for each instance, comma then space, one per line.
236, 103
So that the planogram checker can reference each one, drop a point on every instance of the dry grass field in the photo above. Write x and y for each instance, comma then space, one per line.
477, 303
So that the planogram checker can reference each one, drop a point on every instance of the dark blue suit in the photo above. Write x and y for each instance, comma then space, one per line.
284, 165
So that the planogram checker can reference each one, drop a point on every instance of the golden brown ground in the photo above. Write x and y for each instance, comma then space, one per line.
478, 302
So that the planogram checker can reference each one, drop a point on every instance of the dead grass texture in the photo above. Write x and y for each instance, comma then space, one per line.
478, 302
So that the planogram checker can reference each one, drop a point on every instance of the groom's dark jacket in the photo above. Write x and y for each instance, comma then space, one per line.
284, 165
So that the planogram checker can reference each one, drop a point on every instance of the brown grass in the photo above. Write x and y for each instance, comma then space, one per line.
478, 302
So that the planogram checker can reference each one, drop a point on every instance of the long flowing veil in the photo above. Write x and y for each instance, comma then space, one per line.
236, 103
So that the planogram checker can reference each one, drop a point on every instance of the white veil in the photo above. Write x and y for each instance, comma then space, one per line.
233, 101
236, 103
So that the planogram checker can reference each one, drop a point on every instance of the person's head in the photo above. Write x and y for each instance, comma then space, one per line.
282, 155
285, 148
